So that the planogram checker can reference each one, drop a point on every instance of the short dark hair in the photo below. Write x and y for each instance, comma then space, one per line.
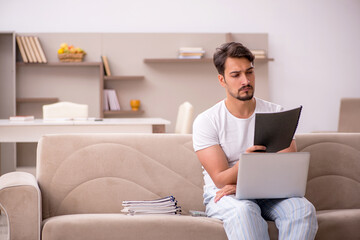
233, 50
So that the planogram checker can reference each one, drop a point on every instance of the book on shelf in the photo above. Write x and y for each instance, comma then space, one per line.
40, 49
259, 56
166, 205
191, 53
26, 47
259, 53
36, 51
189, 57
22, 118
111, 101
21, 49
191, 50
106, 65
31, 50
106, 101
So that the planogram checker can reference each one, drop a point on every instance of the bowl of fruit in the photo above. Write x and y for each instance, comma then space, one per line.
69, 53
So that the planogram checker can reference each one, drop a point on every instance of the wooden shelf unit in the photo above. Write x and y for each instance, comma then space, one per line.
127, 61
62, 64
254, 41
264, 59
37, 100
177, 60
116, 78
124, 112
201, 60
121, 78
58, 64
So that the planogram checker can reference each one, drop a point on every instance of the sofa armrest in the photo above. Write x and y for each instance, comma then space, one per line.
20, 199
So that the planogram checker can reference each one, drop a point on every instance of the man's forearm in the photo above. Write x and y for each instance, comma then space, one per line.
226, 177
214, 161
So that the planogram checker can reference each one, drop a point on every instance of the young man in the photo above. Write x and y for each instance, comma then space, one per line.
224, 131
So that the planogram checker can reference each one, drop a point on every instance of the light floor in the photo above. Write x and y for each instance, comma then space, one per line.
3, 227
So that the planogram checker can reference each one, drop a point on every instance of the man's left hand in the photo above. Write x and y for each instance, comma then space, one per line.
226, 190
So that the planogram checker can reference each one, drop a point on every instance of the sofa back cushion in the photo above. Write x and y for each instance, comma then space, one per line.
94, 173
333, 179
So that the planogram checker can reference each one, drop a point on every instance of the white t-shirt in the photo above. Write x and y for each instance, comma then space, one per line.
218, 126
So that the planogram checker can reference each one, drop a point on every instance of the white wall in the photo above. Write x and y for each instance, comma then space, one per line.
315, 43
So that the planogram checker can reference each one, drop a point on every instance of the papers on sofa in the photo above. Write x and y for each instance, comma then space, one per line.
166, 205
22, 118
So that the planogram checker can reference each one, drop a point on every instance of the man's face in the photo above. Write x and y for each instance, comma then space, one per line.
238, 79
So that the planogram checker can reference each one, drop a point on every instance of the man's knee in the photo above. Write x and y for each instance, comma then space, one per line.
246, 209
244, 221
305, 208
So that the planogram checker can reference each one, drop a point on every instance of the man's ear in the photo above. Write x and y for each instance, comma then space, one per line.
222, 80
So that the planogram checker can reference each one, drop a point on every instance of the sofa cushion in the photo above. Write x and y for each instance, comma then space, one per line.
333, 225
273, 231
94, 173
120, 226
336, 224
333, 179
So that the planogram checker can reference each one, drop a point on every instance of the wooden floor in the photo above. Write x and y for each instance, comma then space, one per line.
3, 227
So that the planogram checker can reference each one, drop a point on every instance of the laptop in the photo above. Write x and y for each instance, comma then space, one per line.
272, 175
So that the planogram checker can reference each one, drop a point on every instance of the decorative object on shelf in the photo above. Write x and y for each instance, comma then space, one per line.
71, 57
106, 65
135, 104
70, 53
30, 49
191, 53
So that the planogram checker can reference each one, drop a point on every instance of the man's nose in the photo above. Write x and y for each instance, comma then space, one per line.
244, 80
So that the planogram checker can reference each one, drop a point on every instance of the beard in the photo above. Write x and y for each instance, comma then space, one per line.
249, 94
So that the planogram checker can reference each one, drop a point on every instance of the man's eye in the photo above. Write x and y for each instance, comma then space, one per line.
250, 72
234, 76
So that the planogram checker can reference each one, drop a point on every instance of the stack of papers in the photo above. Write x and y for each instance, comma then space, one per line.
22, 118
191, 52
166, 205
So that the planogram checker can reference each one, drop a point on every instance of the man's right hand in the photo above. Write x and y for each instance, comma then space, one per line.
256, 148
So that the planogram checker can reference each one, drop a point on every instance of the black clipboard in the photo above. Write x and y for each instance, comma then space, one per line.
276, 130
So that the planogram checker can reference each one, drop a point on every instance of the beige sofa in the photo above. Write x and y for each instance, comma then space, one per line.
82, 180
